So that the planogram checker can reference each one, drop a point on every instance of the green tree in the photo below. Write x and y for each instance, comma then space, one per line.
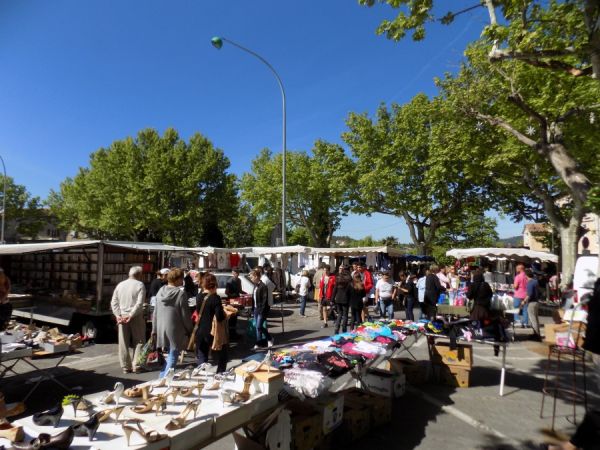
535, 126
316, 199
400, 172
24, 212
153, 187
562, 36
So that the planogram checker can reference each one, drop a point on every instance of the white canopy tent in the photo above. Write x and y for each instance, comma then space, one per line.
514, 254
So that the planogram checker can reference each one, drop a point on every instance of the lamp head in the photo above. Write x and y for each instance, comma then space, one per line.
217, 42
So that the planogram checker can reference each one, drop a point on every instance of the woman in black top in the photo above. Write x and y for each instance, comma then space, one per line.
481, 294
356, 300
411, 295
341, 299
209, 306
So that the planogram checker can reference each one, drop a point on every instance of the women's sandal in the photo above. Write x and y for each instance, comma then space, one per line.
183, 375
138, 391
180, 421
49, 417
186, 392
88, 427
159, 402
114, 395
167, 379
60, 441
13, 433
105, 414
172, 392
78, 404
147, 436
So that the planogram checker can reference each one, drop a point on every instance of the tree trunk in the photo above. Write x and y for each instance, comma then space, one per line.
592, 23
566, 167
569, 237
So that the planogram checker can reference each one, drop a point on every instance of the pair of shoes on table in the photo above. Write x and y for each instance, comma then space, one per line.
89, 427
180, 421
233, 397
159, 403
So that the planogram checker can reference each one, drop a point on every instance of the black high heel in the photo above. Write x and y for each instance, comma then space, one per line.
88, 427
50, 417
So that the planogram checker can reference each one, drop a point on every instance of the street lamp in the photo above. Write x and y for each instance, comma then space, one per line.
217, 42
3, 202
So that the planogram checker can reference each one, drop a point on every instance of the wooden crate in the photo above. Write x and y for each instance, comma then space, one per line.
454, 375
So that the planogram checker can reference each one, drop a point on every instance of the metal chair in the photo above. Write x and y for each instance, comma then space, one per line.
571, 353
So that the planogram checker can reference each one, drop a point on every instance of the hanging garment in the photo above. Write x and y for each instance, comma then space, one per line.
371, 259
234, 260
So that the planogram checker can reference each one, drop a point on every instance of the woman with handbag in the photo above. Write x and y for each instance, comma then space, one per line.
171, 321
211, 317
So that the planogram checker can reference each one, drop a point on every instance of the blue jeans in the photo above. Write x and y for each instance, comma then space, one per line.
524, 318
302, 304
386, 307
171, 362
262, 333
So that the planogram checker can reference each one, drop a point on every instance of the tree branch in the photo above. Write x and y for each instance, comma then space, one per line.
498, 122
575, 111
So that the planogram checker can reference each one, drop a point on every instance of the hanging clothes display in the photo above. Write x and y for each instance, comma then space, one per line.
223, 261
212, 261
371, 260
234, 260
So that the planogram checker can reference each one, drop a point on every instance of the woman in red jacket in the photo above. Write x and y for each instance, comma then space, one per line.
326, 288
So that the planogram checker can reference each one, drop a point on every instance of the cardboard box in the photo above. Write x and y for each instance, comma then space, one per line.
455, 376
389, 384
551, 331
332, 410
380, 406
416, 372
462, 355
356, 422
307, 429
53, 347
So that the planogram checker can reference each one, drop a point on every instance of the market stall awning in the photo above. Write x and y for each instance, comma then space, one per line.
392, 251
259, 251
20, 249
148, 246
517, 254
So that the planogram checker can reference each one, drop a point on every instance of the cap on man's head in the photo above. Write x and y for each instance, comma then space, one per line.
164, 271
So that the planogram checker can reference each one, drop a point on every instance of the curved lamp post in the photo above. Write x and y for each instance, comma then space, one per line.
217, 42
3, 202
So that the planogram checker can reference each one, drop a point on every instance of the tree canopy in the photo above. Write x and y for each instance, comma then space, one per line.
151, 187
400, 170
316, 193
24, 212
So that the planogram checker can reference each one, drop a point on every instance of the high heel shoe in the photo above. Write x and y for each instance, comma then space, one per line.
88, 427
115, 395
13, 433
180, 421
172, 392
60, 441
186, 392
233, 397
167, 379
105, 414
183, 375
214, 385
148, 436
78, 403
159, 402
138, 391
50, 417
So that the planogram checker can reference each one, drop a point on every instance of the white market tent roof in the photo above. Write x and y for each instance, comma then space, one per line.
19, 249
517, 254
359, 251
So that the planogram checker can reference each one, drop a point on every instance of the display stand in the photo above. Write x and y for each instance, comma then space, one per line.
431, 338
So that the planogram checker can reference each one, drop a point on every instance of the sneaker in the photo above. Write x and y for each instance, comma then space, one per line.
256, 347
324, 325
270, 343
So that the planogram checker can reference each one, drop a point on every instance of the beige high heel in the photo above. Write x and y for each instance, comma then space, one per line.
13, 433
105, 414
186, 392
172, 392
148, 436
139, 391
180, 421
159, 402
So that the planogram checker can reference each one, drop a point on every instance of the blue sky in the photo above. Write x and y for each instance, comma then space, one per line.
77, 75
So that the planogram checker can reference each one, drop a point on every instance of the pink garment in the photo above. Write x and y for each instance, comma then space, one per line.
521, 285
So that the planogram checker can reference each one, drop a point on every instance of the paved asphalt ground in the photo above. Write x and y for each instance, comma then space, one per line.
429, 416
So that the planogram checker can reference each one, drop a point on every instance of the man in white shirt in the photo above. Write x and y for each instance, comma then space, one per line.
127, 305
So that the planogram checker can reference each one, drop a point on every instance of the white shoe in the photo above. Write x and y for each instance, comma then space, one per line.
270, 343
256, 347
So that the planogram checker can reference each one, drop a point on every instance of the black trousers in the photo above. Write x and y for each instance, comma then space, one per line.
587, 435
342, 316
203, 344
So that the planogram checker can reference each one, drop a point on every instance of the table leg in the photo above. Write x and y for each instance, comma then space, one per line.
45, 375
503, 370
